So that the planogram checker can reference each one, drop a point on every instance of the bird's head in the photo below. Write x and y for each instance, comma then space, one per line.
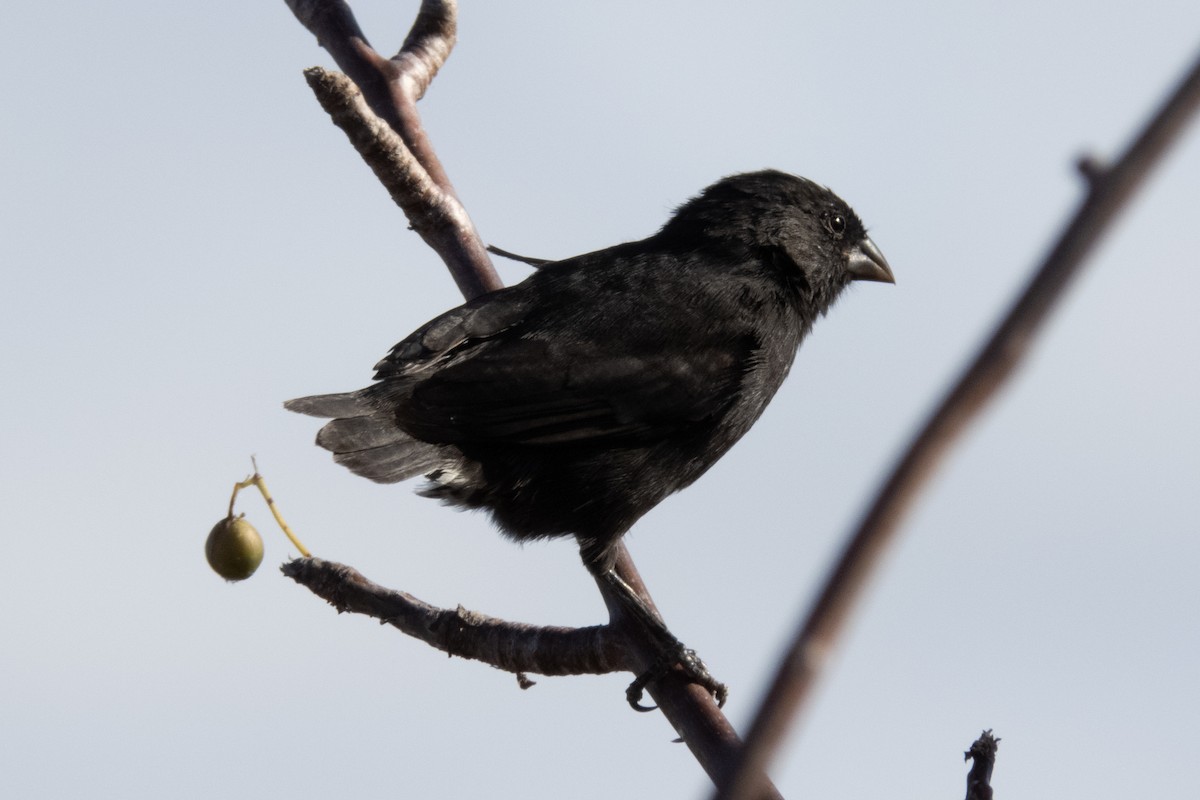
792, 223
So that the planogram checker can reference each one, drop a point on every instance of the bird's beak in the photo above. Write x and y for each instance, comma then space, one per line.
866, 263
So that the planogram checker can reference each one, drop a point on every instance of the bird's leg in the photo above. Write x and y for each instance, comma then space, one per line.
670, 650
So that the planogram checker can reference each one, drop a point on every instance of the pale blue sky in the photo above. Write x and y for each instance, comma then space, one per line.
187, 242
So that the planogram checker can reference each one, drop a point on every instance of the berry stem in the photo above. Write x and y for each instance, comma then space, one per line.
256, 481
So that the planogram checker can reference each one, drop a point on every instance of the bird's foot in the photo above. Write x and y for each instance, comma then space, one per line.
690, 664
671, 654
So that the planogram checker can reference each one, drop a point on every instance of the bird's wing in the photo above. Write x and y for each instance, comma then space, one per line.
443, 339
491, 372
531, 391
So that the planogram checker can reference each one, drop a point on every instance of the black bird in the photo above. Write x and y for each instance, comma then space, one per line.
574, 402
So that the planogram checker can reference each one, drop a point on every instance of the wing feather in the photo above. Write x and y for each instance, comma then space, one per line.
510, 368
538, 392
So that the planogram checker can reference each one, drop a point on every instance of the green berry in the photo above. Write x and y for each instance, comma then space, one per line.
234, 549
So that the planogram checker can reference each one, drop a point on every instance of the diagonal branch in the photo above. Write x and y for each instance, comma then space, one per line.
1110, 190
431, 212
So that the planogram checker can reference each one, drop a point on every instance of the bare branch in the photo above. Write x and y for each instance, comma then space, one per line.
336, 29
425, 49
428, 45
510, 646
979, 778
520, 648
1109, 192
391, 88
382, 148
434, 214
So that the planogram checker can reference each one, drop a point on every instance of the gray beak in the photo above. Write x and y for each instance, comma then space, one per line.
866, 263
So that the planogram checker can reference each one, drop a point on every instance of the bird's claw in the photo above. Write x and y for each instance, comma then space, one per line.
633, 695
693, 669
697, 672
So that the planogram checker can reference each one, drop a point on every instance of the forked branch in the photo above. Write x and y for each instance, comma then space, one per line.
403, 158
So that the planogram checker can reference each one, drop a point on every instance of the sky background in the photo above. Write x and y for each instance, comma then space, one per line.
187, 241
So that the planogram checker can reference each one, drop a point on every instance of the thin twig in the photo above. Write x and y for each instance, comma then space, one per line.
1109, 192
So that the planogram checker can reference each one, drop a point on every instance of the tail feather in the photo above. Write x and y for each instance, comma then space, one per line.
360, 433
346, 404
368, 442
395, 462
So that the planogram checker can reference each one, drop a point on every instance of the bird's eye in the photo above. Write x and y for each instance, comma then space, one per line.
836, 224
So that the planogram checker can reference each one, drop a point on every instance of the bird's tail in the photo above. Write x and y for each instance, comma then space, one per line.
367, 440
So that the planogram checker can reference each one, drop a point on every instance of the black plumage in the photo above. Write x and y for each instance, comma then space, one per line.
572, 403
